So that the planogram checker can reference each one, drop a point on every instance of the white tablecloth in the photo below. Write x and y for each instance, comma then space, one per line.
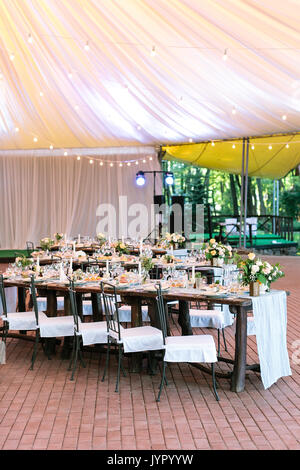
270, 318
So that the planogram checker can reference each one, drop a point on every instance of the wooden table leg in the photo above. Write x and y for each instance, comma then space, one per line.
49, 347
184, 318
136, 320
97, 307
239, 368
68, 340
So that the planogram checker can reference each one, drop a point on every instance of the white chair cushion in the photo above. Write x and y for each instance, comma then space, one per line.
23, 320
52, 327
196, 348
93, 332
125, 313
206, 318
141, 338
251, 330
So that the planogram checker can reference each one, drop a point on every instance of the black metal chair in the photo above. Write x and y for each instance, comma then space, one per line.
29, 247
184, 348
84, 333
131, 340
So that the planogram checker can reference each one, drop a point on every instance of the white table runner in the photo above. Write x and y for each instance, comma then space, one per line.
270, 317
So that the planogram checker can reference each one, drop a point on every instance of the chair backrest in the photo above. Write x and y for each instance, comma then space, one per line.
2, 295
161, 312
230, 225
34, 300
110, 304
73, 304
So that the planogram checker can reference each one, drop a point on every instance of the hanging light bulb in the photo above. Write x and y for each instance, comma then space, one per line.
41, 93
87, 46
150, 158
225, 56
35, 139
111, 164
12, 56
51, 147
128, 164
287, 146
144, 161
91, 161
136, 162
78, 157
233, 111
101, 163
233, 146
252, 146
30, 38
70, 75
190, 140
121, 164
284, 117
270, 147
139, 128
153, 51
17, 129
212, 143
76, 107
65, 154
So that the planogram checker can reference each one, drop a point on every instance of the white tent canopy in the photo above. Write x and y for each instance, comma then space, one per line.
89, 73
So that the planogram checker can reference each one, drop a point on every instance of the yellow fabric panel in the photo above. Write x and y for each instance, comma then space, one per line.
264, 162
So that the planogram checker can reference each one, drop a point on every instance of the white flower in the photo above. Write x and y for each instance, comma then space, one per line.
254, 269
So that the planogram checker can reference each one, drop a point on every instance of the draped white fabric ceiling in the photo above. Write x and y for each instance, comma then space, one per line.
118, 93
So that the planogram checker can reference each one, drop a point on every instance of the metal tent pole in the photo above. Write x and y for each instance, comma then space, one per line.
246, 193
242, 194
277, 198
274, 206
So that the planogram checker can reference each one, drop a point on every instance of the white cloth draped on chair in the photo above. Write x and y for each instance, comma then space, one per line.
270, 319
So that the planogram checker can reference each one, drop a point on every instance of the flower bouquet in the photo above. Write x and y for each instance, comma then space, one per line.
217, 252
46, 243
168, 259
58, 237
101, 238
121, 248
258, 274
147, 265
23, 262
172, 239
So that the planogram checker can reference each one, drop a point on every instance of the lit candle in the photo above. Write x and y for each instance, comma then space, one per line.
61, 272
107, 266
74, 246
38, 262
140, 268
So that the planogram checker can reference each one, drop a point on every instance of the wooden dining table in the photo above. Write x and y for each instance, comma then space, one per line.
136, 296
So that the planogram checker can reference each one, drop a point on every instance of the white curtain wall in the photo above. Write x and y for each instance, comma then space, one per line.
42, 195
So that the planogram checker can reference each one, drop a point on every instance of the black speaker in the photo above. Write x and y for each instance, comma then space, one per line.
159, 199
180, 201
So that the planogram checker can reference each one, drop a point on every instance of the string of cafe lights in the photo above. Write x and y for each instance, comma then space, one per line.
86, 45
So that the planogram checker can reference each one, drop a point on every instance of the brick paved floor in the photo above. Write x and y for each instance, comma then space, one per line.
43, 409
